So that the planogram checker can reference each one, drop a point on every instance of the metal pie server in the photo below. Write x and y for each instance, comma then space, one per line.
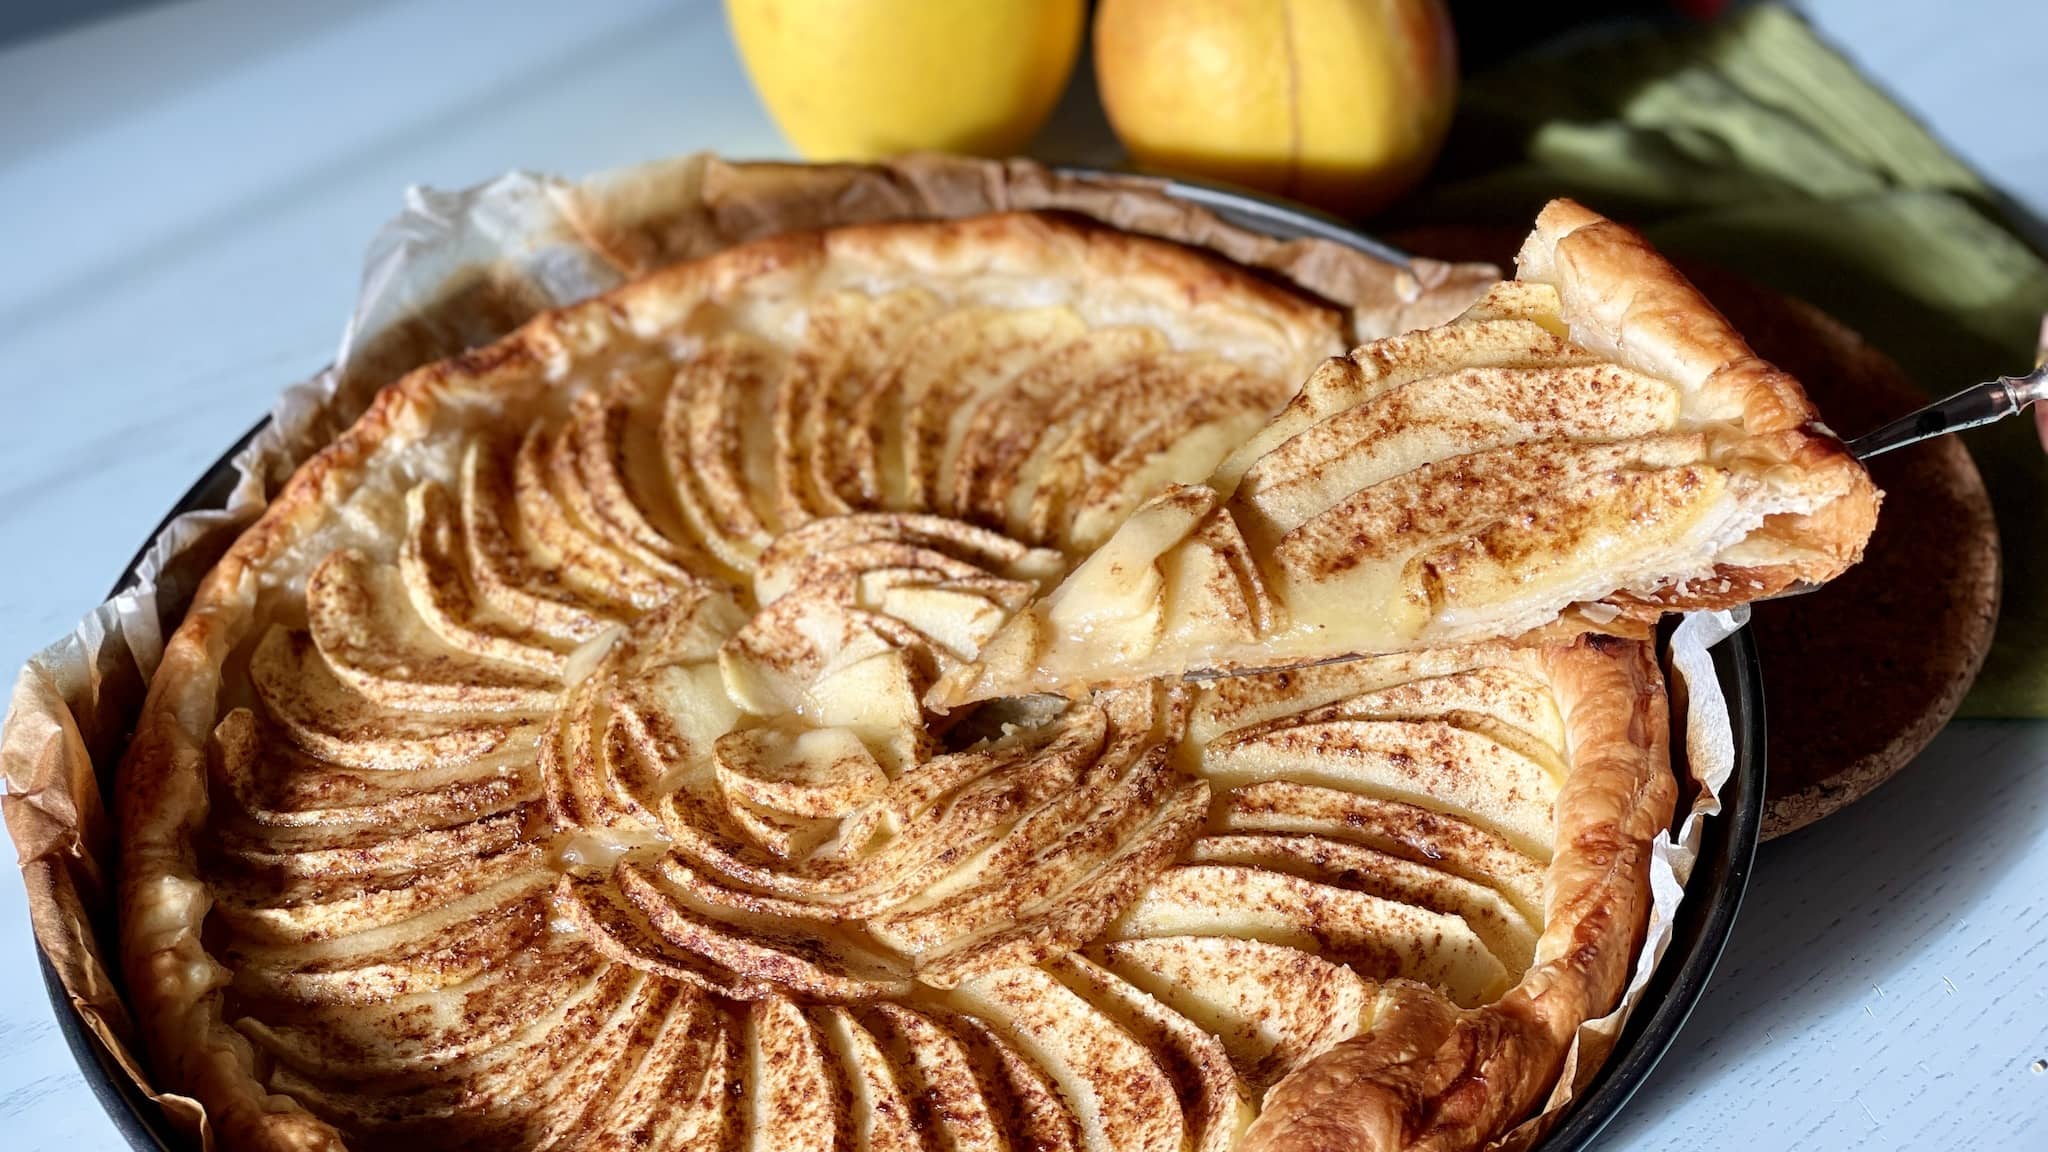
1977, 405
1973, 407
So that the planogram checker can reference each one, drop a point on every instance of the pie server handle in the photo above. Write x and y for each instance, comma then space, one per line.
1973, 406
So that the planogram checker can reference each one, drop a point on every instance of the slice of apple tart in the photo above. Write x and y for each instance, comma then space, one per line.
1589, 446
552, 765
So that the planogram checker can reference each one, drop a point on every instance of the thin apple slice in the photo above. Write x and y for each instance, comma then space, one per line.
1379, 937
1428, 763
793, 1091
1216, 1103
1272, 1006
1120, 1098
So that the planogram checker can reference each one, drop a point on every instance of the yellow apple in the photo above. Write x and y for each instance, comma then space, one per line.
860, 79
1339, 103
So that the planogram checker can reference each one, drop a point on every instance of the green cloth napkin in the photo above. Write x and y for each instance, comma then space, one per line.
1752, 144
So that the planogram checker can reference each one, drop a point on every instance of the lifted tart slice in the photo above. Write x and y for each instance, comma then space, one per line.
1588, 446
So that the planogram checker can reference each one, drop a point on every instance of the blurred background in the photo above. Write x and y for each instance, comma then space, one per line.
1967, 67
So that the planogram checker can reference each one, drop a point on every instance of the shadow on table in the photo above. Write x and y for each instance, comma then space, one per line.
31, 18
1836, 909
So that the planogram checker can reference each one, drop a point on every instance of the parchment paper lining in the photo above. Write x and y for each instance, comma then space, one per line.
454, 270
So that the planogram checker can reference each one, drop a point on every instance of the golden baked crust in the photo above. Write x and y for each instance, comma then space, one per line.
1427, 1074
549, 767
1591, 442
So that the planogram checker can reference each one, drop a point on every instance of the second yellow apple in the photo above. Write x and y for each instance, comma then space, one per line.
862, 79
1342, 104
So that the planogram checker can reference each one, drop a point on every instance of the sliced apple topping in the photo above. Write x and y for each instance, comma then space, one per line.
1463, 411
596, 471
882, 1112
438, 948
794, 1095
1216, 1104
715, 428
1514, 326
1410, 832
848, 340
619, 774
949, 1095
804, 772
328, 719
946, 369
1120, 1097
1431, 763
1006, 427
1166, 419
381, 1086
1273, 1007
430, 565
1505, 931
1378, 937
682, 1092
568, 547
373, 640
467, 1025
259, 911
508, 575
285, 789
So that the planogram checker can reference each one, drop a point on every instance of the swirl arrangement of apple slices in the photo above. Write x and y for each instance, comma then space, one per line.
552, 766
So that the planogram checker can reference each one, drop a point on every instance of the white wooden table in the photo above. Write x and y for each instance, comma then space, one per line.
185, 192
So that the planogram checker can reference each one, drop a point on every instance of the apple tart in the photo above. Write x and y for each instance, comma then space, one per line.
555, 764
1588, 446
